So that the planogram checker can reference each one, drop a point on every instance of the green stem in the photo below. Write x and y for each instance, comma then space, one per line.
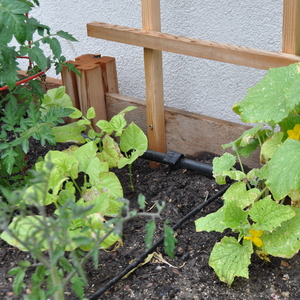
76, 185
131, 177
59, 293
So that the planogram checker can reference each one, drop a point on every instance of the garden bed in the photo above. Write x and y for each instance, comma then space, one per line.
188, 275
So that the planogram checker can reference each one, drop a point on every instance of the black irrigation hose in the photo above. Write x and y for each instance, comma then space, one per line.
160, 241
178, 160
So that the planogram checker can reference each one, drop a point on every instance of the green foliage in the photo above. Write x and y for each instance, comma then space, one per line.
15, 24
74, 225
19, 125
22, 113
262, 206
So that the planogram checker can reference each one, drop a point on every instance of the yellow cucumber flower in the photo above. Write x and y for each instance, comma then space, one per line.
255, 234
294, 133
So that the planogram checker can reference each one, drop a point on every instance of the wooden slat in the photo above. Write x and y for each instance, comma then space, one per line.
98, 76
154, 80
69, 81
291, 27
109, 74
187, 133
238, 55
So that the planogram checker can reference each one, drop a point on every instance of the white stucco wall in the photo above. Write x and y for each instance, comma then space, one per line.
192, 84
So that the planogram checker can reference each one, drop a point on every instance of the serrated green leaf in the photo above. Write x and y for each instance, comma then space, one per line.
268, 214
212, 222
37, 55
141, 201
55, 47
284, 240
229, 259
66, 35
239, 194
77, 286
169, 240
273, 98
234, 216
19, 282
245, 138
150, 229
221, 164
282, 173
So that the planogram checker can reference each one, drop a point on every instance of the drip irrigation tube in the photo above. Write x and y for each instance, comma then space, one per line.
177, 160
160, 241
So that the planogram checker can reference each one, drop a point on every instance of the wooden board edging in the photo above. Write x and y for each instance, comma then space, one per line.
188, 133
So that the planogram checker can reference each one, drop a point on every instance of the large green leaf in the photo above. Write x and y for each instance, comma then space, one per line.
85, 154
284, 241
65, 165
268, 214
109, 183
12, 16
133, 139
273, 98
229, 259
282, 173
212, 222
239, 194
111, 152
25, 228
234, 216
69, 133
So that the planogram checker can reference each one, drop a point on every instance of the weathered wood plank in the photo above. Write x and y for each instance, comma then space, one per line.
238, 55
188, 133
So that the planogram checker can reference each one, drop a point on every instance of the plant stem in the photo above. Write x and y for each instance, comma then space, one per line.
76, 185
59, 293
131, 177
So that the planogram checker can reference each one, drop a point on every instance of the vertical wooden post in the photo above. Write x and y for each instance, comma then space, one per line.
291, 27
154, 80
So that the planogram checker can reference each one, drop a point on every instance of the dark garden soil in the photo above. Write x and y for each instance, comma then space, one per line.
188, 275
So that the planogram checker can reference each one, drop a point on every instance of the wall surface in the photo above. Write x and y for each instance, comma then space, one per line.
192, 84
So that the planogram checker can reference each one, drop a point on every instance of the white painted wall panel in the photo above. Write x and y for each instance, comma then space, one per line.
192, 84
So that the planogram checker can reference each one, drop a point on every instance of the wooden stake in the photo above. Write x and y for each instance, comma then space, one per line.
154, 80
291, 27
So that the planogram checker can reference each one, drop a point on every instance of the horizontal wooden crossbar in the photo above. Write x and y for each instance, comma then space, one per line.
238, 55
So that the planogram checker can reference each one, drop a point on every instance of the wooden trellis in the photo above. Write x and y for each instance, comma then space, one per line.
154, 42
